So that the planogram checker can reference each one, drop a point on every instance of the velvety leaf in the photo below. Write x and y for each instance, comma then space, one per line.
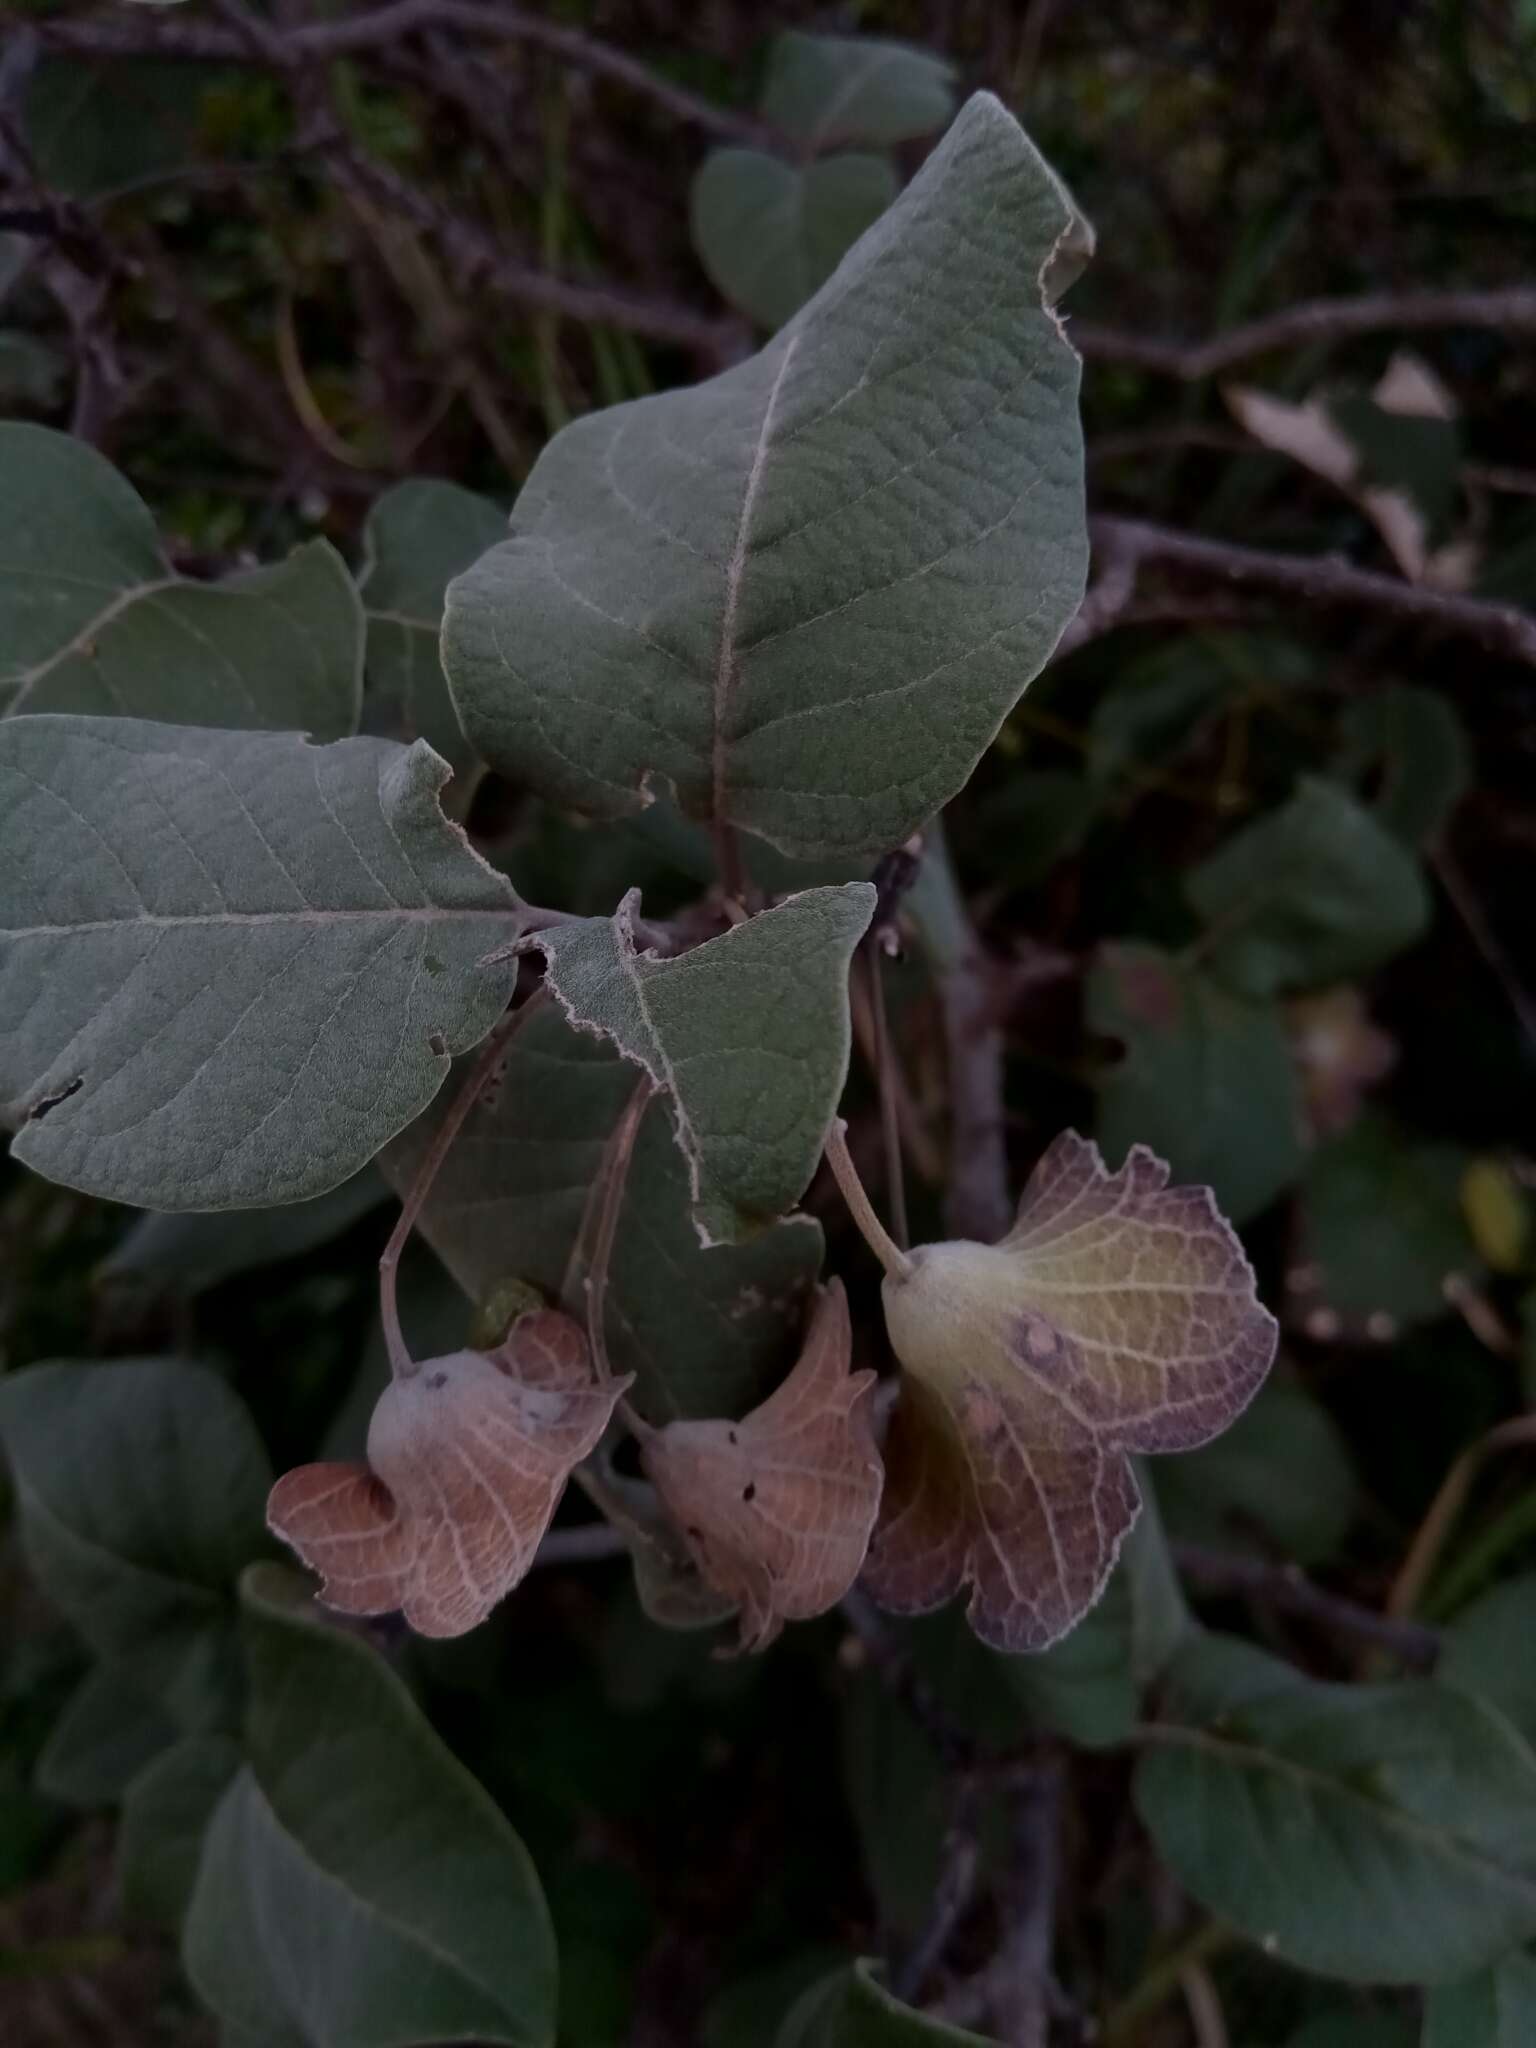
853, 2009
1381, 1833
705, 1332
777, 1508
1415, 740
747, 1034
822, 90
165, 1818
1495, 2009
1279, 1480
1161, 1620
1314, 892
252, 969
805, 593
105, 1736
1207, 1079
1382, 1225
141, 1486
467, 1460
1117, 1315
1490, 1650
358, 1888
188, 1252
94, 619
770, 233
417, 537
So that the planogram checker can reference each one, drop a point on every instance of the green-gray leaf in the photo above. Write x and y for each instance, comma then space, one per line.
806, 593
186, 1252
770, 233
747, 1034
1420, 745
1280, 1478
1490, 1650
1379, 1833
142, 1488
105, 1736
358, 1888
93, 618
822, 90
853, 2009
1495, 2009
708, 1332
1207, 1079
1315, 892
232, 965
165, 1818
1382, 1223
418, 536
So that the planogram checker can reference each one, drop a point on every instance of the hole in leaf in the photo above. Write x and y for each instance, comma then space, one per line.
52, 1101
437, 1043
749, 1491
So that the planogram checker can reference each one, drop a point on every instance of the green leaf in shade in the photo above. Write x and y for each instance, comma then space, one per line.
1348, 2027
1036, 819
1490, 1650
358, 1888
1414, 740
747, 1034
899, 1797
1207, 1079
1495, 2009
94, 619
1084, 1687
1383, 1225
853, 2009
824, 90
165, 1818
1379, 1833
1280, 1479
142, 1487
95, 124
805, 593
1118, 1315
186, 1252
770, 234
417, 537
1314, 892
105, 1736
253, 967
1156, 705
706, 1332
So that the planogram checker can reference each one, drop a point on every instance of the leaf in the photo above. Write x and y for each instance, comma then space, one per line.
748, 1034
141, 1487
1490, 1651
1419, 744
1117, 1315
358, 1888
94, 619
1379, 1833
165, 1818
417, 537
805, 593
253, 968
898, 1796
769, 234
1348, 2027
704, 1332
1495, 2009
1207, 1079
467, 1460
188, 1252
105, 1736
1382, 1226
853, 2009
97, 126
1279, 1480
777, 1509
823, 90
1315, 892
1084, 1687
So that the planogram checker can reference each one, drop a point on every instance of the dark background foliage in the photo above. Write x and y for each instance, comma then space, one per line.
271, 277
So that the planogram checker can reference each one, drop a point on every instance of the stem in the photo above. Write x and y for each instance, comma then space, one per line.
885, 1248
401, 1364
601, 1224
1165, 1977
890, 1120
1424, 1551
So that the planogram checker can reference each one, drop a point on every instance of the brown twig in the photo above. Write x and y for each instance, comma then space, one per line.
601, 1226
1020, 1974
1285, 1587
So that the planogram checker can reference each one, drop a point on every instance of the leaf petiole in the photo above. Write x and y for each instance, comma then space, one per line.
885, 1248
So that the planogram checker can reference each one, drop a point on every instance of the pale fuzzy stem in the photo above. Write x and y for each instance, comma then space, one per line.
401, 1364
603, 1221
885, 1248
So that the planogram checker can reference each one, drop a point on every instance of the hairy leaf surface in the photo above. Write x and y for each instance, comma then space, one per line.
250, 971
805, 593
1495, 2009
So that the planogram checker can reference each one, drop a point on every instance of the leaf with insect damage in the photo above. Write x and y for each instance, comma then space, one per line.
1118, 1315
747, 1034
777, 1509
467, 1460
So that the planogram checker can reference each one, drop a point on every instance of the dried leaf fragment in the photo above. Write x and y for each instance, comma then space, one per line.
467, 1460
1117, 1316
777, 1509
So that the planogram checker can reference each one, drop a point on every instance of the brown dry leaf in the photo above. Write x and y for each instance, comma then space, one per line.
467, 1459
777, 1509
1117, 1316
